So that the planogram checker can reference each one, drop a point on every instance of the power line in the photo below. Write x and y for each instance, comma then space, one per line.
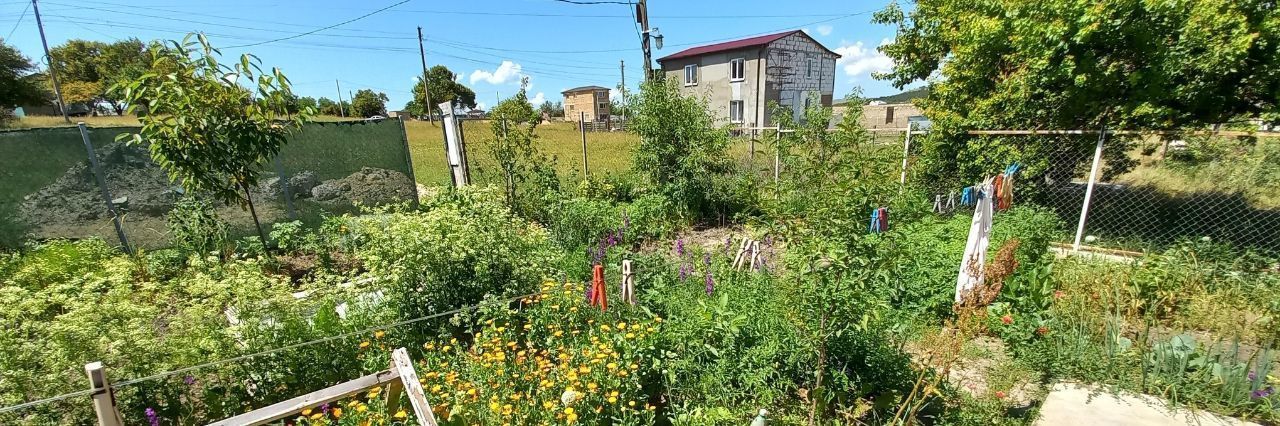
20, 18
592, 2
241, 27
171, 373
323, 28
230, 18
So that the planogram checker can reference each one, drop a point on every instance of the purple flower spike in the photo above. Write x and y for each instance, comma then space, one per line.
706, 259
1262, 393
1253, 375
684, 272
152, 417
189, 380
711, 284
680, 247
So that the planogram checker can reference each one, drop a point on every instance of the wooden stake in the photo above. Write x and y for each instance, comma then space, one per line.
104, 400
401, 363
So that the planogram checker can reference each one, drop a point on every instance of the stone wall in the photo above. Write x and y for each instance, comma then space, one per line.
800, 71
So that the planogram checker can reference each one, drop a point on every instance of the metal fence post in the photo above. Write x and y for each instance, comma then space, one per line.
777, 153
906, 151
582, 116
104, 400
408, 157
1088, 192
102, 186
285, 191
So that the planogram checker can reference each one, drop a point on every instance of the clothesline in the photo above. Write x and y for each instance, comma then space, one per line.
1125, 132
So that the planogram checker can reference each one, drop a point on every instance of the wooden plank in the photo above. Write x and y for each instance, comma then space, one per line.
293, 406
104, 400
412, 388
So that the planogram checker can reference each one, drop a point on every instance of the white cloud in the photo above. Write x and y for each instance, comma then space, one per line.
825, 29
507, 72
858, 60
482, 106
537, 99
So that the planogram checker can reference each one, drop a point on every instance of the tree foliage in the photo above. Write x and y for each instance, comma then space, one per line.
444, 86
1080, 64
551, 109
201, 126
682, 152
19, 83
328, 106
87, 69
367, 103
513, 122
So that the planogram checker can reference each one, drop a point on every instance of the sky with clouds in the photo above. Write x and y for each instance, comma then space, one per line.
490, 45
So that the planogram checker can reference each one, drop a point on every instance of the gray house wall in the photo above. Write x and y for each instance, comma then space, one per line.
778, 72
799, 70
715, 87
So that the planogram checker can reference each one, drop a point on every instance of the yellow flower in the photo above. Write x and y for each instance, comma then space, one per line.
548, 405
631, 403
317, 416
611, 366
364, 344
362, 408
613, 399
378, 334
401, 414
558, 333
591, 386
631, 335
622, 326
306, 411
568, 410
604, 327
571, 418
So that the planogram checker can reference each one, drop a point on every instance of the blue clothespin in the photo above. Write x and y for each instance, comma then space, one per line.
1013, 168
875, 220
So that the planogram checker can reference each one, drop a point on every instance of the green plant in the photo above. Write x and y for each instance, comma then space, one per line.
194, 227
202, 127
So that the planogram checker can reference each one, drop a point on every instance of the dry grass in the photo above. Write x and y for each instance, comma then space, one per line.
607, 152
37, 121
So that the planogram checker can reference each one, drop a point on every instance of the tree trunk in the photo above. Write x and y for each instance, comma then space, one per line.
262, 236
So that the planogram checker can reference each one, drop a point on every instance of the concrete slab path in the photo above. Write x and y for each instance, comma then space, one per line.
1074, 404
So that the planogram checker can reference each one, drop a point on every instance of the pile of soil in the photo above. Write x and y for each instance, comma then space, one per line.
369, 186
136, 183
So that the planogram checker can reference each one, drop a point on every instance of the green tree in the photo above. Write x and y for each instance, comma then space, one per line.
513, 122
308, 102
1078, 64
19, 83
368, 103
203, 127
682, 152
327, 106
551, 109
444, 86
87, 68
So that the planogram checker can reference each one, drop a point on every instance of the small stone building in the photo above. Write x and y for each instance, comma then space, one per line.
592, 100
741, 78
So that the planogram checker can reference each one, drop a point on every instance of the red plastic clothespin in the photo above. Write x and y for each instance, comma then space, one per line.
598, 296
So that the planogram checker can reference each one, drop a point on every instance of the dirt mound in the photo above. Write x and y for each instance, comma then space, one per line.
136, 183
369, 186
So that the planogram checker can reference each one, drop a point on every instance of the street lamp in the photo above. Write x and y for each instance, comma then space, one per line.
657, 38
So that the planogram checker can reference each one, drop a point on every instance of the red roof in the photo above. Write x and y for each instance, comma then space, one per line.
736, 44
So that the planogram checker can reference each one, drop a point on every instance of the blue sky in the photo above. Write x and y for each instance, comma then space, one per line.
491, 44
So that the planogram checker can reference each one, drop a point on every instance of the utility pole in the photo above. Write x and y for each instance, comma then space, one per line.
340, 111
53, 74
642, 15
622, 69
426, 92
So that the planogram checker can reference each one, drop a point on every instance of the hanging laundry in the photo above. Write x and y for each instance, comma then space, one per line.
973, 264
967, 196
951, 201
879, 220
598, 297
937, 203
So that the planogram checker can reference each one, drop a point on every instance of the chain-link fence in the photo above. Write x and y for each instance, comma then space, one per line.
1149, 191
52, 190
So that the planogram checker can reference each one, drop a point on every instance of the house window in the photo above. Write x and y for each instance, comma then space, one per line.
813, 65
690, 75
888, 115
570, 107
735, 111
737, 69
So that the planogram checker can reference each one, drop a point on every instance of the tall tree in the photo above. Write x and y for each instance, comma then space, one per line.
367, 103
19, 83
444, 86
88, 68
1079, 64
204, 126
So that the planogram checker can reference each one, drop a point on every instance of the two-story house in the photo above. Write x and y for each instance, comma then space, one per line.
740, 78
589, 101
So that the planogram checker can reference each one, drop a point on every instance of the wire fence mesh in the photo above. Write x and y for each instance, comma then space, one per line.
51, 188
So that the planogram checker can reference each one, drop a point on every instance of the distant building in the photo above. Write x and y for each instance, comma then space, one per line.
889, 112
592, 100
398, 114
477, 113
740, 78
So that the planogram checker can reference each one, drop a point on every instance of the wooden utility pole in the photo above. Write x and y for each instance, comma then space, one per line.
642, 15
53, 73
340, 111
426, 91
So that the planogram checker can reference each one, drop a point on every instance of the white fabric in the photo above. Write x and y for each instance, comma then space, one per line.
973, 265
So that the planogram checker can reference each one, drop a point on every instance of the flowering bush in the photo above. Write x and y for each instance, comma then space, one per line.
556, 360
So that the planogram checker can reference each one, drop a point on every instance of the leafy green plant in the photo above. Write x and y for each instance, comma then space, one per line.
203, 127
194, 227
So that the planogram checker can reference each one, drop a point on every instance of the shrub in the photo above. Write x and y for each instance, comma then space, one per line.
195, 228
465, 244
